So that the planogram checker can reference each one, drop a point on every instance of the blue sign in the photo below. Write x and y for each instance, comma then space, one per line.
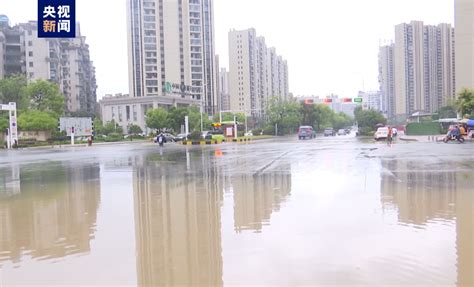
56, 18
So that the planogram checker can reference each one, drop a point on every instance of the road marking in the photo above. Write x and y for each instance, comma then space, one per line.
263, 168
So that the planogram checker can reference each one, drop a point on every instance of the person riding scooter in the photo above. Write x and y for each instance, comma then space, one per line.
161, 139
454, 134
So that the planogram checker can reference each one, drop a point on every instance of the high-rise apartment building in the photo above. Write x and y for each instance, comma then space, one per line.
464, 15
65, 62
422, 61
171, 47
224, 89
371, 100
386, 80
256, 73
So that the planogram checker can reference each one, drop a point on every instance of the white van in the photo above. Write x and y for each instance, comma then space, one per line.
381, 133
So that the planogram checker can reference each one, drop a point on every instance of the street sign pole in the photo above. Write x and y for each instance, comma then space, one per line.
235, 126
186, 126
72, 136
9, 139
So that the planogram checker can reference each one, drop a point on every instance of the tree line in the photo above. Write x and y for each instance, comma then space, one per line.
39, 103
288, 115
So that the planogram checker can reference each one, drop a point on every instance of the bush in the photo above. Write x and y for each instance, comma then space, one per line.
113, 137
422, 129
366, 131
195, 135
269, 130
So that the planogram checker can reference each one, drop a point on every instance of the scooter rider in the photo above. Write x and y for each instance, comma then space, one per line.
456, 132
161, 139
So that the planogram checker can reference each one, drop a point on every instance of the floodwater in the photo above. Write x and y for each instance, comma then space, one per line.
322, 212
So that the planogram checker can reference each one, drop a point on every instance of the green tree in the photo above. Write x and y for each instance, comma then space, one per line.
34, 120
323, 116
285, 114
45, 96
176, 117
447, 112
157, 119
134, 130
368, 119
4, 123
465, 102
228, 117
309, 114
98, 127
341, 120
111, 128
13, 89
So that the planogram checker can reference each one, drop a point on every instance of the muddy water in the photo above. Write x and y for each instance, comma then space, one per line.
228, 217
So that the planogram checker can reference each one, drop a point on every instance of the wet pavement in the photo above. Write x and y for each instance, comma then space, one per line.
330, 211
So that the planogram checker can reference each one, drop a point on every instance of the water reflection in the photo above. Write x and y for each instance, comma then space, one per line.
178, 222
53, 216
256, 197
423, 195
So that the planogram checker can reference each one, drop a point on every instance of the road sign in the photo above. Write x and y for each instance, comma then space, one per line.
79, 126
357, 100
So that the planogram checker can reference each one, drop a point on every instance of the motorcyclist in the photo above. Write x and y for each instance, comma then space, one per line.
160, 139
456, 132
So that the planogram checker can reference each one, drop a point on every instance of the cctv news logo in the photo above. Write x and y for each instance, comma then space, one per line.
56, 18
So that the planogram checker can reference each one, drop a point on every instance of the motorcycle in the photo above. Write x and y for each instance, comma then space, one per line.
160, 140
449, 138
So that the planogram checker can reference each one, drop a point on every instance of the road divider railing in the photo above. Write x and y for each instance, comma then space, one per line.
201, 142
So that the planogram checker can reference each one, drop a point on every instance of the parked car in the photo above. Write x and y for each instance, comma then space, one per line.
206, 135
248, 134
169, 137
341, 132
305, 132
180, 137
329, 132
381, 133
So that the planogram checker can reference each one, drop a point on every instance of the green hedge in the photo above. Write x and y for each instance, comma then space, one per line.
423, 129
366, 131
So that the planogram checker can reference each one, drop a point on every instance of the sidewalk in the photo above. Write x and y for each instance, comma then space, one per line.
86, 145
433, 138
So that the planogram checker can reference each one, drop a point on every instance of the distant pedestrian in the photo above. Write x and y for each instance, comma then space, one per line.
389, 135
89, 141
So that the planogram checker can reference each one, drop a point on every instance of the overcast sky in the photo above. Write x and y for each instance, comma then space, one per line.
331, 46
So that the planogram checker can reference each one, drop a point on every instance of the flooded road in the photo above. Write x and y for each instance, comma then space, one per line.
331, 211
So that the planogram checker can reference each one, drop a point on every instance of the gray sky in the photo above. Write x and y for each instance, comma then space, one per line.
331, 46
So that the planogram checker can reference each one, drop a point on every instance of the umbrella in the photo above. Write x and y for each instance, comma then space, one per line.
379, 125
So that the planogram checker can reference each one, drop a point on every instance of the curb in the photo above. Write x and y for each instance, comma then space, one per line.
240, 140
207, 142
408, 140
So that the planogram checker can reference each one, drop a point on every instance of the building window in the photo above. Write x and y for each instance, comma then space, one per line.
30, 43
127, 112
135, 116
120, 113
30, 53
30, 64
